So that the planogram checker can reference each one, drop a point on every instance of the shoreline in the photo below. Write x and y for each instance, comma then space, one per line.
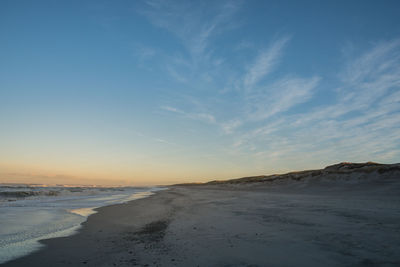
56, 244
56, 221
237, 226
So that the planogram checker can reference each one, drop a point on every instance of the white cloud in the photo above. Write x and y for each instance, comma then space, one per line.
375, 63
205, 117
358, 122
262, 99
264, 63
174, 73
361, 123
370, 76
230, 126
280, 97
159, 140
202, 117
172, 109
186, 21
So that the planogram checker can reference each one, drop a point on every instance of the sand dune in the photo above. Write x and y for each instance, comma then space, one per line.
341, 171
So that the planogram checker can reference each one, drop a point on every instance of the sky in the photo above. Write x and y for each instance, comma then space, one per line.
160, 92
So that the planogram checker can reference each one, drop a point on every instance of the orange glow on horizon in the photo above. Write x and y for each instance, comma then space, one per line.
35, 174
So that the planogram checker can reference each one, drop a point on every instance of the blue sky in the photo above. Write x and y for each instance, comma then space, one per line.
142, 92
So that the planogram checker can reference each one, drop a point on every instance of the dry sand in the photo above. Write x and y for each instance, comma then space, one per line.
334, 223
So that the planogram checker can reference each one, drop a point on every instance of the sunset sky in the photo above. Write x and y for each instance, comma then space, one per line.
160, 92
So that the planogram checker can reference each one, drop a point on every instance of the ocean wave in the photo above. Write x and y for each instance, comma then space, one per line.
17, 192
24, 194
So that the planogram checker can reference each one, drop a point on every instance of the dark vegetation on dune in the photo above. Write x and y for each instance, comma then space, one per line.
340, 170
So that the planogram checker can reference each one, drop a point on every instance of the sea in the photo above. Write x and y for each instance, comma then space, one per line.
30, 213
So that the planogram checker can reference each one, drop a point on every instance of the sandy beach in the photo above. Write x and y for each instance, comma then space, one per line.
332, 223
205, 133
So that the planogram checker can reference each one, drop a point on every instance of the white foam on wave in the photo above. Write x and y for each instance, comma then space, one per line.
83, 211
21, 248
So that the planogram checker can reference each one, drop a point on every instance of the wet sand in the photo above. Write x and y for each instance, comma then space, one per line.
253, 225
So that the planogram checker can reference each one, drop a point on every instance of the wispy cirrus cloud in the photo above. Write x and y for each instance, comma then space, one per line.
187, 21
172, 109
262, 97
366, 82
371, 75
269, 116
264, 63
200, 116
383, 59
196, 61
280, 96
362, 123
230, 126
160, 140
259, 98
